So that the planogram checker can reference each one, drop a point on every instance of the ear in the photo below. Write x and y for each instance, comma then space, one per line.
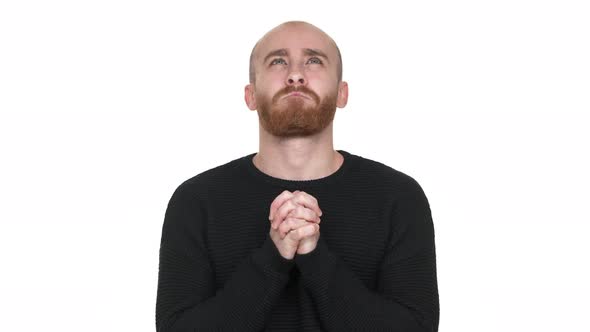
249, 97
342, 98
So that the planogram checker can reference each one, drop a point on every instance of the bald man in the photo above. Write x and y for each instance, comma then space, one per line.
241, 246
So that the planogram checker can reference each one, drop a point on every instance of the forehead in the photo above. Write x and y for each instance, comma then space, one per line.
295, 39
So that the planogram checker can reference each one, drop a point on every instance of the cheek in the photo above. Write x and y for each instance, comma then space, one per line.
275, 75
321, 79
315, 73
271, 82
265, 93
320, 85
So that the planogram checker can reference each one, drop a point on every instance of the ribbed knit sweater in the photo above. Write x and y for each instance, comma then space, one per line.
373, 269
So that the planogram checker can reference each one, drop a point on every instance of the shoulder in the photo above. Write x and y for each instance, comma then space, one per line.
384, 175
200, 184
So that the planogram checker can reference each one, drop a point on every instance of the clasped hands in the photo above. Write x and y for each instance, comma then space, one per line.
295, 219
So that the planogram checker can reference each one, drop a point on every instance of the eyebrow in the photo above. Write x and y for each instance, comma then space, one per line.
306, 51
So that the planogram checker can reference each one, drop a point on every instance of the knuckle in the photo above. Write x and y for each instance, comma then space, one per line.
291, 235
300, 209
281, 210
283, 228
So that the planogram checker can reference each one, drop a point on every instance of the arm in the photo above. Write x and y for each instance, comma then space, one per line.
406, 299
186, 297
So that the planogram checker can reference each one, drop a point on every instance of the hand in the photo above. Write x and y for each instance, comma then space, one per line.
293, 211
291, 243
286, 202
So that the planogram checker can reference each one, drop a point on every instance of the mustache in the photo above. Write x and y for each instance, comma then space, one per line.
302, 89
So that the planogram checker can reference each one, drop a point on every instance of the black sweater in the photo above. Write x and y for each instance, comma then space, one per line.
374, 267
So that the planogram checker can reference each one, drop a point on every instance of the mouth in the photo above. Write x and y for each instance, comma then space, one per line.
296, 94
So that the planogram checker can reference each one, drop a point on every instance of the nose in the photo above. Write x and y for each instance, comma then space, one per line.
296, 78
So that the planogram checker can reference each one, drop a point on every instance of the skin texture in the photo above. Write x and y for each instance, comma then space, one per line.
296, 132
295, 223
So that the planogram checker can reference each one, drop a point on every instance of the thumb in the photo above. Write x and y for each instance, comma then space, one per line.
305, 231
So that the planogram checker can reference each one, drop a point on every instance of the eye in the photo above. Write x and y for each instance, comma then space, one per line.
279, 59
318, 60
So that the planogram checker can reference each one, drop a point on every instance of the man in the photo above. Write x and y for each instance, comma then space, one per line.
241, 245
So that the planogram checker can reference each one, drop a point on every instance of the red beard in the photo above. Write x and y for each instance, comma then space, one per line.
296, 116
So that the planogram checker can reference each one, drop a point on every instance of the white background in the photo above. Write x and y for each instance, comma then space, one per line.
107, 106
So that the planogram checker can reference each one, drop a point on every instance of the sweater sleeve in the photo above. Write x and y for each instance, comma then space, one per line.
406, 298
187, 299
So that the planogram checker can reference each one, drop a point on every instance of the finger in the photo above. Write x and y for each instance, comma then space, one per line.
307, 200
305, 231
281, 214
302, 212
278, 201
301, 198
291, 208
291, 224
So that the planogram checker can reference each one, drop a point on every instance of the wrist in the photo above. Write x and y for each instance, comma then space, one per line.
306, 246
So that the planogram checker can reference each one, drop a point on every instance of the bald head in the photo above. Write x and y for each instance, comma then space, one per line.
290, 25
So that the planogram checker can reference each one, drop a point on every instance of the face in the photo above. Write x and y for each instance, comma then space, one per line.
296, 90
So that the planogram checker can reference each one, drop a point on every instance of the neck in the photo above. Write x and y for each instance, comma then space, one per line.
298, 158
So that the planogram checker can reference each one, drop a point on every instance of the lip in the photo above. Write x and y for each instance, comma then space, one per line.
297, 94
